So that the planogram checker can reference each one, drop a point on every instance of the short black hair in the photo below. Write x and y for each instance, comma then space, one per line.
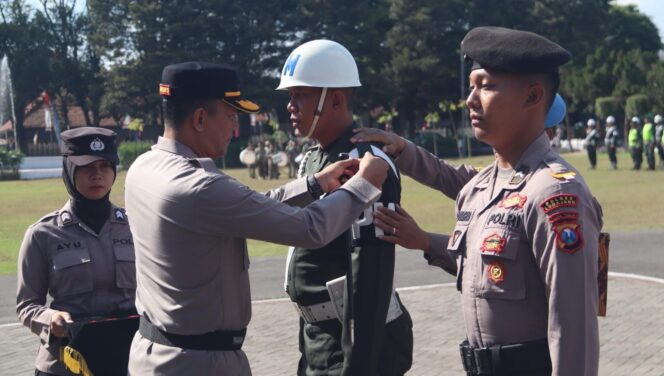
177, 111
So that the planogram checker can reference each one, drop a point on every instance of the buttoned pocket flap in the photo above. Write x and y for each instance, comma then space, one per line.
69, 258
124, 253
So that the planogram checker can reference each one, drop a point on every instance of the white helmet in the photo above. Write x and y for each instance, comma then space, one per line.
610, 119
658, 119
636, 120
592, 122
320, 63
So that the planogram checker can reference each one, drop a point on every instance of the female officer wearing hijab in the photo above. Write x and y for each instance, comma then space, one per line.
82, 255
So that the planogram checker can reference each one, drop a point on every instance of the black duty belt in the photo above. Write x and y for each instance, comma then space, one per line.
528, 358
227, 340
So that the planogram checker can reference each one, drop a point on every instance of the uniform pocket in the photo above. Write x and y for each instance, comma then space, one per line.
125, 266
502, 274
72, 272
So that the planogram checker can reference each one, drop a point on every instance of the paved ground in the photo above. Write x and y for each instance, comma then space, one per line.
631, 335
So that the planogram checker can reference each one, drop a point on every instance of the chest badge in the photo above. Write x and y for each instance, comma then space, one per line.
568, 236
496, 272
514, 200
493, 243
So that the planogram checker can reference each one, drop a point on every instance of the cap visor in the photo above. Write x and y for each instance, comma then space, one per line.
83, 160
243, 105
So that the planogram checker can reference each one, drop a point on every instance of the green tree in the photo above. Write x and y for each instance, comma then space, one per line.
27, 49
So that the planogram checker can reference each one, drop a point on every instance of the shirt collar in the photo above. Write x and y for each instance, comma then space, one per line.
341, 145
172, 146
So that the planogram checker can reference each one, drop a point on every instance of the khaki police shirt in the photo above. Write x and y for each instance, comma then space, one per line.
525, 257
86, 274
191, 222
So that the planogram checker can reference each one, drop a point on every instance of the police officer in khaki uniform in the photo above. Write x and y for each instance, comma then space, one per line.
320, 76
191, 222
524, 248
82, 255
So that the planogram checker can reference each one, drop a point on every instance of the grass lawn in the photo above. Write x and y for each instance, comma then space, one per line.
632, 200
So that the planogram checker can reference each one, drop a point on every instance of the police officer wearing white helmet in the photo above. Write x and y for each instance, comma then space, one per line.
371, 333
592, 138
611, 140
659, 138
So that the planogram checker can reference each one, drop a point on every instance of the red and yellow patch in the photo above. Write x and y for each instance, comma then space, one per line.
559, 201
563, 216
496, 272
164, 90
493, 243
568, 236
514, 200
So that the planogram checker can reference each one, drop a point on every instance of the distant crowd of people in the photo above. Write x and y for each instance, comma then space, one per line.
264, 161
642, 139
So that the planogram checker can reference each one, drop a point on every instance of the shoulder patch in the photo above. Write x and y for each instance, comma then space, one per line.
119, 215
568, 236
559, 201
65, 217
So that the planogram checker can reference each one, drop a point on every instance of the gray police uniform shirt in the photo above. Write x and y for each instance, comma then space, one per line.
529, 253
191, 222
85, 273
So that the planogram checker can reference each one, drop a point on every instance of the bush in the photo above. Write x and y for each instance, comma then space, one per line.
605, 106
637, 105
129, 151
10, 162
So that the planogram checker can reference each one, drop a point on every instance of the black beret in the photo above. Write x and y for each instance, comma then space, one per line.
85, 145
513, 51
200, 80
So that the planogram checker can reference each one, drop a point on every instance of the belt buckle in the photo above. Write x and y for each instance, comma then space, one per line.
305, 313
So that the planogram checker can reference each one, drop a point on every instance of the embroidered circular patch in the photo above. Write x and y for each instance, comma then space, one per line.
568, 236
496, 272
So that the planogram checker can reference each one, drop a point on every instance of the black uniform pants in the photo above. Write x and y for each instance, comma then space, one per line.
321, 353
611, 150
660, 151
650, 155
637, 157
592, 155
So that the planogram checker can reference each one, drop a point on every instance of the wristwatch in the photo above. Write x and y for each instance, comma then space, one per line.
313, 187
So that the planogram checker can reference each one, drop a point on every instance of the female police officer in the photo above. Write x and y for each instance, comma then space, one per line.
82, 254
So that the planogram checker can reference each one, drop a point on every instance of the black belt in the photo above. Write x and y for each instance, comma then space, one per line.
506, 359
227, 340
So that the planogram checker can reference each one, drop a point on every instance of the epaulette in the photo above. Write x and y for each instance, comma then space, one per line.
50, 215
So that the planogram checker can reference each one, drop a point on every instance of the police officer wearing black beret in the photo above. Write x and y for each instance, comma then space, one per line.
192, 221
82, 255
525, 244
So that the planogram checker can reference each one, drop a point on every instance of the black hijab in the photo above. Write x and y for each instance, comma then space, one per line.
94, 213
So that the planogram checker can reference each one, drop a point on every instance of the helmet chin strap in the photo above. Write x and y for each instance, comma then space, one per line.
319, 109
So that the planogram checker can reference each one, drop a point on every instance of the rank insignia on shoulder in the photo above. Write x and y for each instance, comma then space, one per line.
568, 236
517, 178
119, 215
564, 216
559, 201
493, 243
65, 217
513, 200
496, 272
569, 175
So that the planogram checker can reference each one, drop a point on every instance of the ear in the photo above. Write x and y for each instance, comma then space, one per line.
199, 119
535, 96
338, 100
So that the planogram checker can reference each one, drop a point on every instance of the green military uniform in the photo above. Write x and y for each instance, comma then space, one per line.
649, 144
325, 341
635, 148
